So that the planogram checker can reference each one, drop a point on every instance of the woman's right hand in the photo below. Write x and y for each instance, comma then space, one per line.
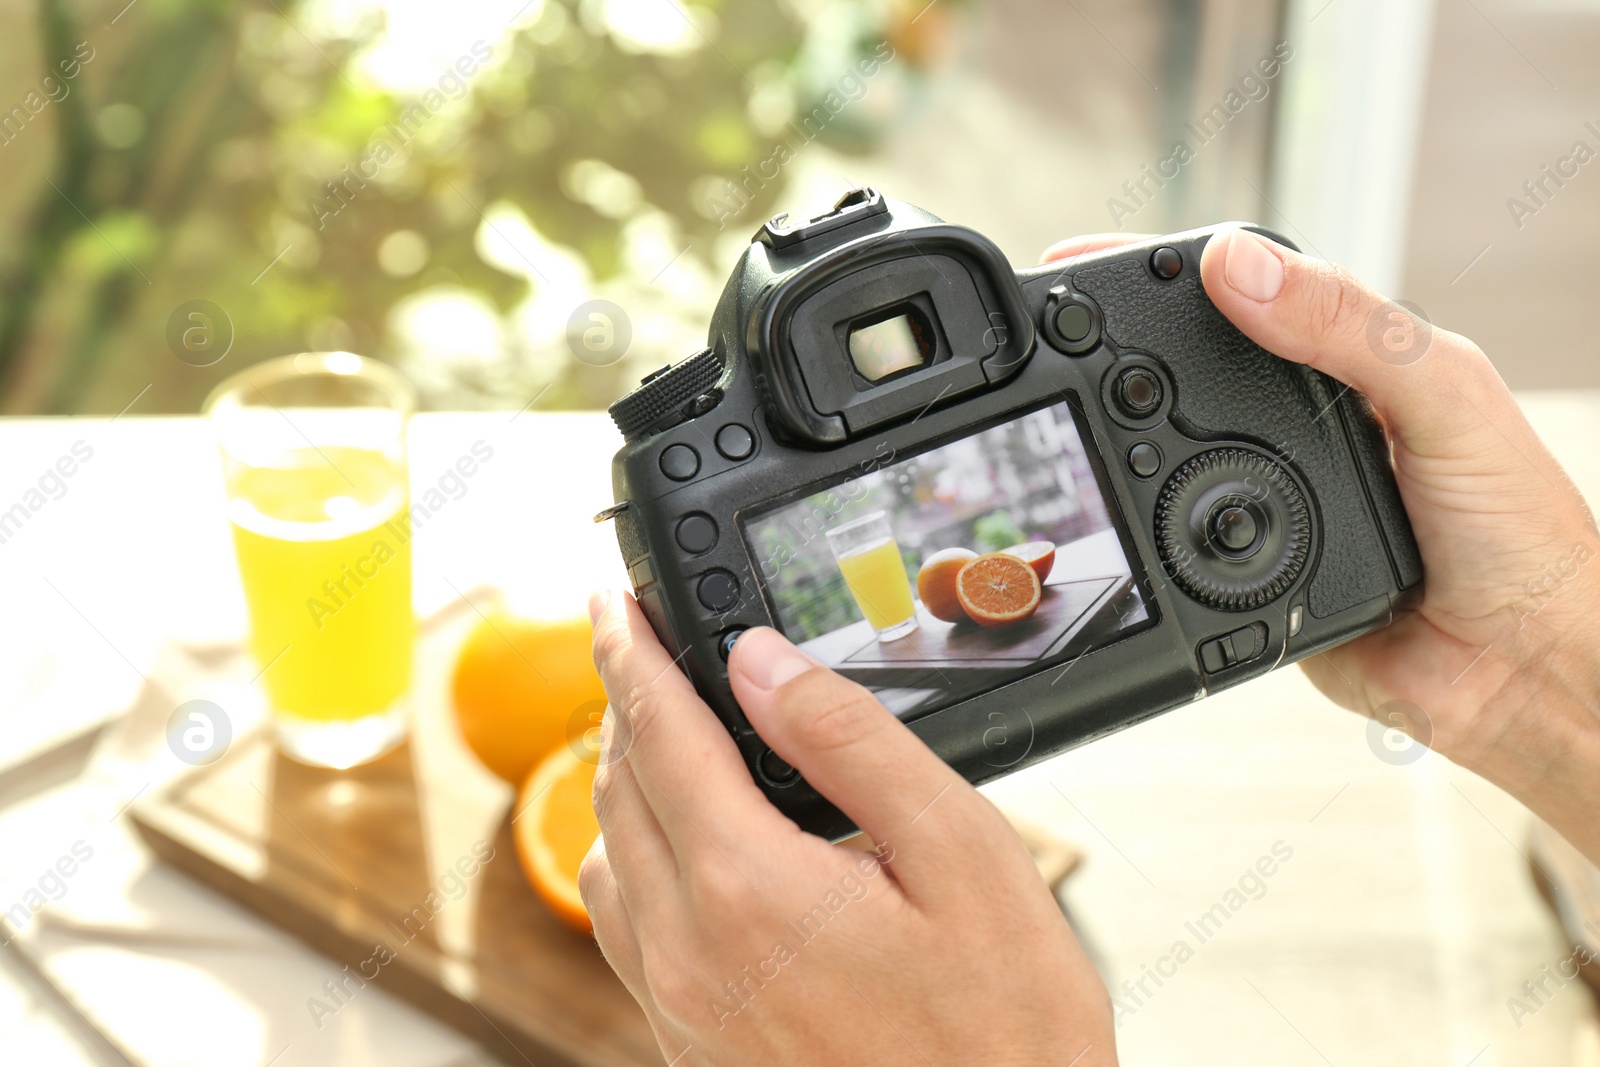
1499, 667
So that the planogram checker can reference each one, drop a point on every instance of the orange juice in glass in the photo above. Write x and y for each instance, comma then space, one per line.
869, 559
313, 451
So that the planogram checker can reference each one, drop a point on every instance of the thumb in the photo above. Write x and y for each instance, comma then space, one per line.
1425, 382
858, 755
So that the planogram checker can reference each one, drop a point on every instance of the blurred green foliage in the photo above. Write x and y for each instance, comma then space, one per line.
230, 152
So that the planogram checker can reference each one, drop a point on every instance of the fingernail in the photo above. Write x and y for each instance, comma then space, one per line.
767, 659
597, 605
1252, 268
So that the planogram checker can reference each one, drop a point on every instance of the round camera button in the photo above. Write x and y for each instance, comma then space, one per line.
718, 591
776, 769
680, 462
696, 533
1144, 459
1074, 322
735, 441
725, 643
1071, 321
1166, 263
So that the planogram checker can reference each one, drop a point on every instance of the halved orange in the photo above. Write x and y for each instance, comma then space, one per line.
1040, 555
998, 589
554, 827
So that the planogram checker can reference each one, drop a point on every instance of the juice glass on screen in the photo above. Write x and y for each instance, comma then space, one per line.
869, 558
313, 452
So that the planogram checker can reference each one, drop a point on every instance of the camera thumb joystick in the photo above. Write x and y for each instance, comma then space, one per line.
1138, 392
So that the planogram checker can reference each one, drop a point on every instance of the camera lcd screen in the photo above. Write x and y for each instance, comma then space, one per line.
935, 577
891, 345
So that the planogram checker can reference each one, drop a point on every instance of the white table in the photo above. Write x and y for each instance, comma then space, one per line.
1394, 935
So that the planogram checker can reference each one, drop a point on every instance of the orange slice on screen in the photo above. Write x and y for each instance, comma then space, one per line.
1040, 555
998, 589
553, 831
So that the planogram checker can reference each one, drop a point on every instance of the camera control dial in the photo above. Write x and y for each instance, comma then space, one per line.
669, 395
1233, 529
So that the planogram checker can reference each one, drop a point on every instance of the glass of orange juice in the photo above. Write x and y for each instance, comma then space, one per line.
869, 558
314, 457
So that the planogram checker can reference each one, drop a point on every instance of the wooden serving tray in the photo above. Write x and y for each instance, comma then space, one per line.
1064, 610
412, 854
341, 860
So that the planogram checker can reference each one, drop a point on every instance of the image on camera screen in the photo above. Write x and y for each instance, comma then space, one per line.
932, 578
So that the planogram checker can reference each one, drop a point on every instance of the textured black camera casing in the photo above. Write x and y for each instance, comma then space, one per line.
1221, 390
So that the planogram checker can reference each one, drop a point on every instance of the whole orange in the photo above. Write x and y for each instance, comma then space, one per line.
523, 688
936, 583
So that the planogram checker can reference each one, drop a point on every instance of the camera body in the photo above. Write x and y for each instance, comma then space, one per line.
1025, 508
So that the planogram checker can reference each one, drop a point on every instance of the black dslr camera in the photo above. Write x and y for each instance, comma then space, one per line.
1024, 508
